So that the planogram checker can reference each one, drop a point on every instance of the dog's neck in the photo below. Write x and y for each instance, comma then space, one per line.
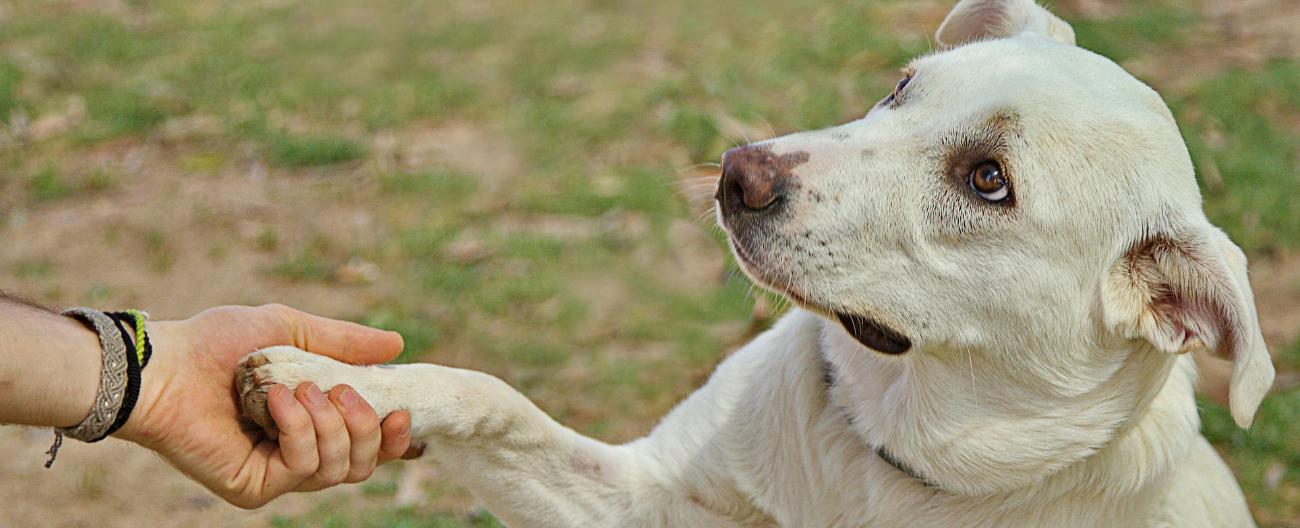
828, 375
949, 430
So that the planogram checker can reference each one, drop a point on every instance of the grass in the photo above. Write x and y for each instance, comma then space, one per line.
558, 269
1143, 30
311, 150
48, 184
1273, 440
52, 183
335, 516
158, 250
1238, 124
34, 269
440, 186
307, 265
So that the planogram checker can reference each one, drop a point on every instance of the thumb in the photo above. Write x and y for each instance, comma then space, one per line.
341, 340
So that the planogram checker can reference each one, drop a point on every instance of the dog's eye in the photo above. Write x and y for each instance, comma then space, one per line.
897, 89
987, 181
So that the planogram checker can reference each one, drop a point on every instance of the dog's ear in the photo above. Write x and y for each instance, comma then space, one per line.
974, 20
1183, 289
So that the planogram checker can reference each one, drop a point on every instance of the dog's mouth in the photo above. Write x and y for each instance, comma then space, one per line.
871, 333
874, 334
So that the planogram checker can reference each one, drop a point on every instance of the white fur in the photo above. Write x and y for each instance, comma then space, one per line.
1044, 385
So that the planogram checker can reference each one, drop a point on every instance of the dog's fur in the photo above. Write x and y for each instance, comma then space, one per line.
1043, 381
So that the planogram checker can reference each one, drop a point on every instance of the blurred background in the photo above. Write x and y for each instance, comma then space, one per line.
520, 187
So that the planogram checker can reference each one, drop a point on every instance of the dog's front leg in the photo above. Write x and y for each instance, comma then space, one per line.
528, 469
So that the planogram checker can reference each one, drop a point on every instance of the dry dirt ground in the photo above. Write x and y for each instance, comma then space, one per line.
105, 248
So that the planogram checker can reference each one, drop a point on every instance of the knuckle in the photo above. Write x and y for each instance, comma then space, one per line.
306, 468
330, 426
361, 475
276, 307
363, 425
295, 423
302, 475
279, 312
332, 478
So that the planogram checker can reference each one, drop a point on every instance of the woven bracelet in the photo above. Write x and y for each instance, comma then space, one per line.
119, 381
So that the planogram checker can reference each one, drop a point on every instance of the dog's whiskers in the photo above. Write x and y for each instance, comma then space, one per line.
770, 131
738, 128
698, 165
709, 184
705, 215
974, 390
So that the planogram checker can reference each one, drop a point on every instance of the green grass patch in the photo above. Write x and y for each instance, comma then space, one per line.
309, 150
10, 76
158, 251
127, 110
442, 185
1274, 438
309, 264
648, 189
425, 243
34, 269
1247, 157
1143, 30
696, 131
49, 184
420, 334
52, 183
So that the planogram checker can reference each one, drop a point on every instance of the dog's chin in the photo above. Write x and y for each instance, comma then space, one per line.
871, 333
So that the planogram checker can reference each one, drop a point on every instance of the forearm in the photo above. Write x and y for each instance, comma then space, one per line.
49, 367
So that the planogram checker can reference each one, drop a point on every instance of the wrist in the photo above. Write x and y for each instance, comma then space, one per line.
49, 367
82, 357
148, 422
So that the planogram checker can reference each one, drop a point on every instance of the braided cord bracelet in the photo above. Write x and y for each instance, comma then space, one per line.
119, 381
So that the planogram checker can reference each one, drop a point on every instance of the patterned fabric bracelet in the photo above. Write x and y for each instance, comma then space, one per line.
113, 381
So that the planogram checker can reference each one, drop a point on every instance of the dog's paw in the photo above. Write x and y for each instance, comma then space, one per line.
284, 365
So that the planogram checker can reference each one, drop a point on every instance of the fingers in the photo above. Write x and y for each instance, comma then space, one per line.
363, 430
333, 445
324, 440
297, 457
396, 437
341, 340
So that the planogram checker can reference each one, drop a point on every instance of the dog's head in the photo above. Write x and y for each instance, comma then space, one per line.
1016, 198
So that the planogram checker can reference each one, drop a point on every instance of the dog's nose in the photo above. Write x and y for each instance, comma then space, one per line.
753, 177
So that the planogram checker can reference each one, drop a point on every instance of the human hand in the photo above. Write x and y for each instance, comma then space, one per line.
188, 413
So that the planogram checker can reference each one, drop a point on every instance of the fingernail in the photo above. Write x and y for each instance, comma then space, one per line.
405, 431
315, 396
286, 396
349, 398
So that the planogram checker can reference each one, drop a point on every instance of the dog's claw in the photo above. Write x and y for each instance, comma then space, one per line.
253, 387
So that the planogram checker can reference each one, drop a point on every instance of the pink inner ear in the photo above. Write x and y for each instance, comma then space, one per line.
1196, 314
978, 21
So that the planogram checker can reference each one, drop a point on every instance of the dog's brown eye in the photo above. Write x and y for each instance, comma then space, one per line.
987, 181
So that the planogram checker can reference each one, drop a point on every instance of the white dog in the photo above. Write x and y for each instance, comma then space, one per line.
999, 269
